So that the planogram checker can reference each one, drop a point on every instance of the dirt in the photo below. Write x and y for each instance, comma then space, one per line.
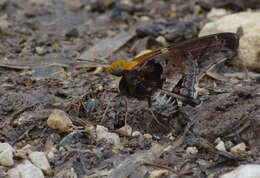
53, 55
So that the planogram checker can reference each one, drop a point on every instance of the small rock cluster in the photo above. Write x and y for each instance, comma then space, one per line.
24, 162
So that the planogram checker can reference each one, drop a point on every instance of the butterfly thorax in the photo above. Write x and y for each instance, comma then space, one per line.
122, 64
132, 84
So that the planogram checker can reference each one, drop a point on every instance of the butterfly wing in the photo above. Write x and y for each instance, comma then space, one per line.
178, 68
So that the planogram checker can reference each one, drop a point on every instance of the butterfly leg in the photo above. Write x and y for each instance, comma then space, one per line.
151, 110
188, 100
126, 110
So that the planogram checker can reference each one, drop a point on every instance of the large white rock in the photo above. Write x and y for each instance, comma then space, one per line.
215, 14
25, 169
244, 171
249, 49
5, 146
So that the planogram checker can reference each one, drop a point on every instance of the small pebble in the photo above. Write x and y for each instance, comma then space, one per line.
148, 136
221, 146
73, 33
192, 150
171, 138
62, 149
238, 148
4, 24
91, 105
228, 145
72, 138
113, 138
161, 40
58, 119
156, 137
125, 130
20, 154
51, 155
127, 2
115, 85
159, 173
90, 131
100, 88
40, 50
144, 18
39, 159
136, 134
217, 140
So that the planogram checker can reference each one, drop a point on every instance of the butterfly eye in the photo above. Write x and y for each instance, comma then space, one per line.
118, 71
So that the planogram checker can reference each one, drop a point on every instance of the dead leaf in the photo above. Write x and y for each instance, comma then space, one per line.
106, 47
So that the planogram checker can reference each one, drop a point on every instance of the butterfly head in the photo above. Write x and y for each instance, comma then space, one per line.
119, 67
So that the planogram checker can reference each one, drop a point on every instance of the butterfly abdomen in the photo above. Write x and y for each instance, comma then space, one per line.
164, 104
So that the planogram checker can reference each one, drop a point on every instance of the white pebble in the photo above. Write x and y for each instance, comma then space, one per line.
113, 138
159, 173
136, 133
148, 136
6, 154
125, 130
25, 169
39, 159
192, 150
40, 50
220, 146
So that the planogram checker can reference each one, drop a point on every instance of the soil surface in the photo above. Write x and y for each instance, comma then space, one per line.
54, 55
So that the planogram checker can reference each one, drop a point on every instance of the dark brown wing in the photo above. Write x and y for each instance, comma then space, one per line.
209, 50
181, 66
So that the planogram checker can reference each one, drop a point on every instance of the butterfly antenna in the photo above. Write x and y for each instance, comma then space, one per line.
81, 63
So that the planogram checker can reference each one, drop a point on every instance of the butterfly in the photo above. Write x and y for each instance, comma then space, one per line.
166, 75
